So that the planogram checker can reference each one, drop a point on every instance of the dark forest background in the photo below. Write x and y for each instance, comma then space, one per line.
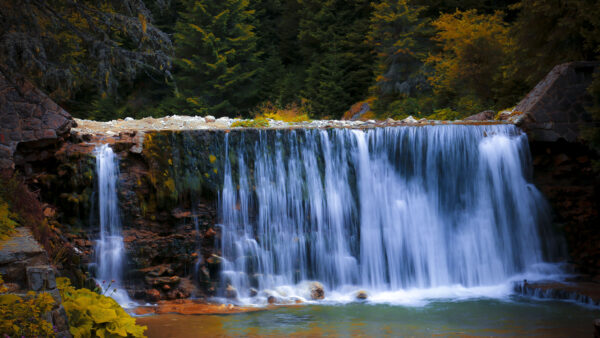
427, 58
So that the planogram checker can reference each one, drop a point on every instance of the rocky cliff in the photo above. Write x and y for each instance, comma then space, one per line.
558, 106
556, 112
31, 124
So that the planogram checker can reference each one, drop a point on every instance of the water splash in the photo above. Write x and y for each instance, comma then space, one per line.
110, 249
386, 209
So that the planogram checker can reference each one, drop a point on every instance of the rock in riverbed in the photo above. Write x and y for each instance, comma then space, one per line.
362, 295
317, 291
230, 292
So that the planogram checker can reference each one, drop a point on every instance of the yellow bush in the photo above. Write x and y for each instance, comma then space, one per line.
22, 316
92, 314
290, 113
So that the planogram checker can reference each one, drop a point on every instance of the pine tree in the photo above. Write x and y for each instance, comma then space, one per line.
216, 57
399, 37
550, 32
332, 43
325, 80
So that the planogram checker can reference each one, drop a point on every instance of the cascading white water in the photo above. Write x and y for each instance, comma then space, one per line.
110, 249
382, 209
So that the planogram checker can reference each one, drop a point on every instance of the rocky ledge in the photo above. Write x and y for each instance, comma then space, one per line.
577, 290
179, 122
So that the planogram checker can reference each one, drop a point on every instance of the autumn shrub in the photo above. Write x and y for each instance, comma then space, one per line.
291, 113
92, 314
474, 50
24, 316
26, 208
25, 205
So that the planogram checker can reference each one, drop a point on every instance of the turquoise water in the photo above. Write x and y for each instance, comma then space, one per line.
515, 317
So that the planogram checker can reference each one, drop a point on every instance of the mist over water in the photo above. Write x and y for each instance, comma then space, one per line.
444, 209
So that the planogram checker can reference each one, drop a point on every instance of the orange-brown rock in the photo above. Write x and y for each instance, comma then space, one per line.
197, 307
152, 295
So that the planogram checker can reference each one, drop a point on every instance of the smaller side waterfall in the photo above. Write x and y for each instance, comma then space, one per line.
110, 250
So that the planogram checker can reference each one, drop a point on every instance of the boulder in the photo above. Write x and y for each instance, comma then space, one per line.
152, 295
177, 294
17, 254
316, 291
483, 116
556, 107
410, 119
362, 295
230, 292
253, 292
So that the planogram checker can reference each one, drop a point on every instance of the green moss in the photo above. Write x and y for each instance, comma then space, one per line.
259, 122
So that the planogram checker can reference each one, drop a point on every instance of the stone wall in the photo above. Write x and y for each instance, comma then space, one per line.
31, 124
556, 107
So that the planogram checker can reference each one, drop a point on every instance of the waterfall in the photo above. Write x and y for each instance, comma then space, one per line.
110, 249
382, 209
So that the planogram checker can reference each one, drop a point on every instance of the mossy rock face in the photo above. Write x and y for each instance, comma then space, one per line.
71, 187
186, 165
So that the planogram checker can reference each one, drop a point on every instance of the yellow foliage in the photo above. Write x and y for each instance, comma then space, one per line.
143, 21
170, 184
212, 158
92, 314
23, 316
474, 49
291, 113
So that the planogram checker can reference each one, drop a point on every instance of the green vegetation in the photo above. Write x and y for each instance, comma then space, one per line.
255, 123
216, 57
92, 314
23, 316
7, 220
236, 57
23, 207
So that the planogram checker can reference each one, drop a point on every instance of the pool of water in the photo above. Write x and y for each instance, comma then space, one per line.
516, 316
